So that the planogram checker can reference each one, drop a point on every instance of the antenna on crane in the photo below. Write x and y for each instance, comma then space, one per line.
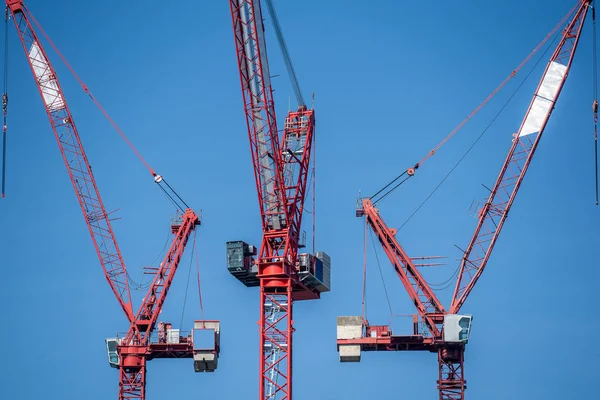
595, 103
5, 101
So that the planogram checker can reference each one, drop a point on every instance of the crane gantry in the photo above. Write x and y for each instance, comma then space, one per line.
130, 353
437, 329
281, 169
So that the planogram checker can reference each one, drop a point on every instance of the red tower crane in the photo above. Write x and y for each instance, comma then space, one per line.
128, 354
281, 169
444, 331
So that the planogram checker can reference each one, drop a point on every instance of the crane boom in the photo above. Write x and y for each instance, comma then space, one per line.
429, 307
493, 214
259, 107
131, 353
136, 348
74, 157
147, 315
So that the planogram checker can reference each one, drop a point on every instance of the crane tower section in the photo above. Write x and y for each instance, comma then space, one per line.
281, 169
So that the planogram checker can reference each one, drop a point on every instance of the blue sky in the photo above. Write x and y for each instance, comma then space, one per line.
390, 80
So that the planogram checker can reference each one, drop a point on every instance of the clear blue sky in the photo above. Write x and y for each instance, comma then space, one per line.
391, 79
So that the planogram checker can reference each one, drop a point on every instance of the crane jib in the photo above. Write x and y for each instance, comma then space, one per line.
493, 214
75, 159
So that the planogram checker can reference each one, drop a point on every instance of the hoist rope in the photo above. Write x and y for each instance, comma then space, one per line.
411, 171
381, 274
478, 138
314, 190
5, 101
285, 52
198, 278
447, 283
595, 103
158, 179
187, 285
364, 283
145, 285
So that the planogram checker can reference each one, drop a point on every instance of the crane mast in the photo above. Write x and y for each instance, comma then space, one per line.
281, 169
446, 332
130, 353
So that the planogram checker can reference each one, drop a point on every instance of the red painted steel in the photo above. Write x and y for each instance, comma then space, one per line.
136, 348
451, 380
429, 307
281, 178
493, 214
75, 159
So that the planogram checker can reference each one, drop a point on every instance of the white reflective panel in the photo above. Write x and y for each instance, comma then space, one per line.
552, 80
48, 84
544, 98
536, 116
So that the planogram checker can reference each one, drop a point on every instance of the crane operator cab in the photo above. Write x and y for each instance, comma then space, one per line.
111, 349
457, 328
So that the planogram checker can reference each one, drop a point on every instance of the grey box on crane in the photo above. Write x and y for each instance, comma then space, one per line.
240, 262
315, 271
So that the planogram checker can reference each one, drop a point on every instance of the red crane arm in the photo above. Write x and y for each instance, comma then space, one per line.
493, 214
429, 307
281, 175
298, 139
74, 157
145, 320
260, 111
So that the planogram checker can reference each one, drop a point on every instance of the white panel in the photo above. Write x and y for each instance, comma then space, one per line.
536, 116
457, 328
172, 335
544, 98
43, 74
552, 80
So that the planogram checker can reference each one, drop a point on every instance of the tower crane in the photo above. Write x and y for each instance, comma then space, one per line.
443, 330
281, 169
130, 353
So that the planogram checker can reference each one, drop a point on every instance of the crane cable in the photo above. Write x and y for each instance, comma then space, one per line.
194, 254
5, 101
198, 277
381, 275
364, 283
411, 171
187, 285
285, 52
478, 138
595, 103
159, 179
